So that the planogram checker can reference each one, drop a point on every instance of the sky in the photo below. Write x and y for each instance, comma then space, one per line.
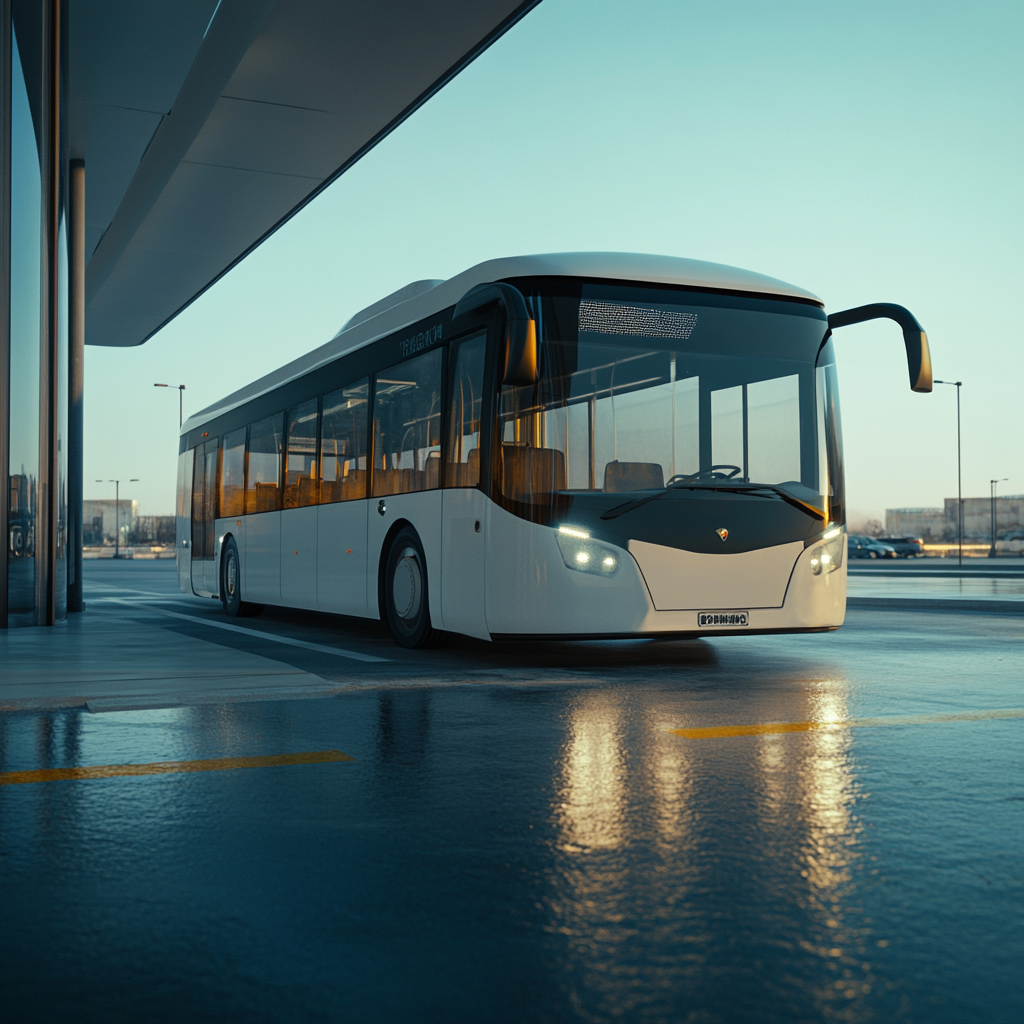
870, 152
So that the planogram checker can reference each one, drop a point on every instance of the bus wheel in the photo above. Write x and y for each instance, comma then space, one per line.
405, 593
231, 584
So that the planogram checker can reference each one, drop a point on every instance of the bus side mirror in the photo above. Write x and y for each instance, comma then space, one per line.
521, 339
919, 357
521, 353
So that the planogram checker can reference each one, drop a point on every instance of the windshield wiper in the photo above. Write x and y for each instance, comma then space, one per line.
790, 499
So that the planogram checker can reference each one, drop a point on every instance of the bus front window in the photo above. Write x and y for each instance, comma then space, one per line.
642, 388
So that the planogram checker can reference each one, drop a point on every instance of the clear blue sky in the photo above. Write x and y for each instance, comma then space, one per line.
868, 151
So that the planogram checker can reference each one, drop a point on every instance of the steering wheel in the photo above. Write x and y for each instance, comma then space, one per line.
711, 473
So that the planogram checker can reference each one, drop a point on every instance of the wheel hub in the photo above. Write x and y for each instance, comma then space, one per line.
407, 585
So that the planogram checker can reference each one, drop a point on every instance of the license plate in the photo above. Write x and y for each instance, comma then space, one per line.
720, 620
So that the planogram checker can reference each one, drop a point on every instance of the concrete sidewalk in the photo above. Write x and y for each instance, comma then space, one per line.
142, 644
908, 586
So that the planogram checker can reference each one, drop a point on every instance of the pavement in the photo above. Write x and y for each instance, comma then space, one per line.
295, 820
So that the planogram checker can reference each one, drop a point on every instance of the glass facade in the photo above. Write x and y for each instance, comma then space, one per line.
33, 590
26, 220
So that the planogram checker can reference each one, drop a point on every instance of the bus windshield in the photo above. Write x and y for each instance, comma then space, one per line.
643, 388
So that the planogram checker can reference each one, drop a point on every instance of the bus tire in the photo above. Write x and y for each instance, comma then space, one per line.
231, 584
406, 603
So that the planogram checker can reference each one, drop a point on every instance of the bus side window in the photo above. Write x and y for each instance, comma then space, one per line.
262, 485
231, 496
407, 426
300, 484
462, 458
343, 444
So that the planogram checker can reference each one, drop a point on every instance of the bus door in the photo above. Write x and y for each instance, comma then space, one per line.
464, 515
341, 514
261, 575
183, 521
406, 473
204, 511
298, 558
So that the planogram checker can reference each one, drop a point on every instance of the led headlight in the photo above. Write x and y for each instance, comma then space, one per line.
828, 556
581, 552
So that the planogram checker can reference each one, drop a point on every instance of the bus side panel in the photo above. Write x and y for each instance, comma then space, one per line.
530, 589
183, 522
464, 561
299, 557
423, 510
261, 577
341, 558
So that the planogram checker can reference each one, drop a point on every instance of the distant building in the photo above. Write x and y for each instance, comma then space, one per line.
153, 530
926, 523
940, 524
98, 521
978, 516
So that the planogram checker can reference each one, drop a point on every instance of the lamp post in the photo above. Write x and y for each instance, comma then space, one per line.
117, 512
992, 484
180, 389
959, 487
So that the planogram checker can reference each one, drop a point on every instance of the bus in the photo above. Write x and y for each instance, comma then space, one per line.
576, 445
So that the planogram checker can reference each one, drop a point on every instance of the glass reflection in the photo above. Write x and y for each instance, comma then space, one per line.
25, 325
60, 457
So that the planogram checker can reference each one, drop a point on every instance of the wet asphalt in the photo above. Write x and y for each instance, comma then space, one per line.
523, 835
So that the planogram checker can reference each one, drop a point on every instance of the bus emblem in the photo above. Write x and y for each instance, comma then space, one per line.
723, 533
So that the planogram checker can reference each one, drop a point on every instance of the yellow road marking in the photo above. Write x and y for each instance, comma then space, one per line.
210, 764
774, 728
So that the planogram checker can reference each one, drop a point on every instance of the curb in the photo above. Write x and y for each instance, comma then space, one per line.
937, 604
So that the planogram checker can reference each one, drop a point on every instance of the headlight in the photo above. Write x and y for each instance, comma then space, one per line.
583, 554
828, 556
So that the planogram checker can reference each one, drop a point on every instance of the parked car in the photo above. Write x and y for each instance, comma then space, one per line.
867, 547
905, 547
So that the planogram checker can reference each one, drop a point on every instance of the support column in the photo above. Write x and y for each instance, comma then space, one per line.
76, 382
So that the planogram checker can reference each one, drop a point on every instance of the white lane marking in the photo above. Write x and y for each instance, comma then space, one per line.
178, 595
258, 633
935, 719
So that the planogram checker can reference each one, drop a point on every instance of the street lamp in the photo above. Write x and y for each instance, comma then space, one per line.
959, 488
180, 388
992, 484
117, 512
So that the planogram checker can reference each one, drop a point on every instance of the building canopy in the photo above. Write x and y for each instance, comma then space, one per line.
205, 124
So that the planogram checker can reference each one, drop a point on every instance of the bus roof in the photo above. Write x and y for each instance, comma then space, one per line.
421, 298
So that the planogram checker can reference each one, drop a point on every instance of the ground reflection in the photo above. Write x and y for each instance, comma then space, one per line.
592, 786
732, 851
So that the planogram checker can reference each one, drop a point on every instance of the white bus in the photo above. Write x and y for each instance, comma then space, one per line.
585, 445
